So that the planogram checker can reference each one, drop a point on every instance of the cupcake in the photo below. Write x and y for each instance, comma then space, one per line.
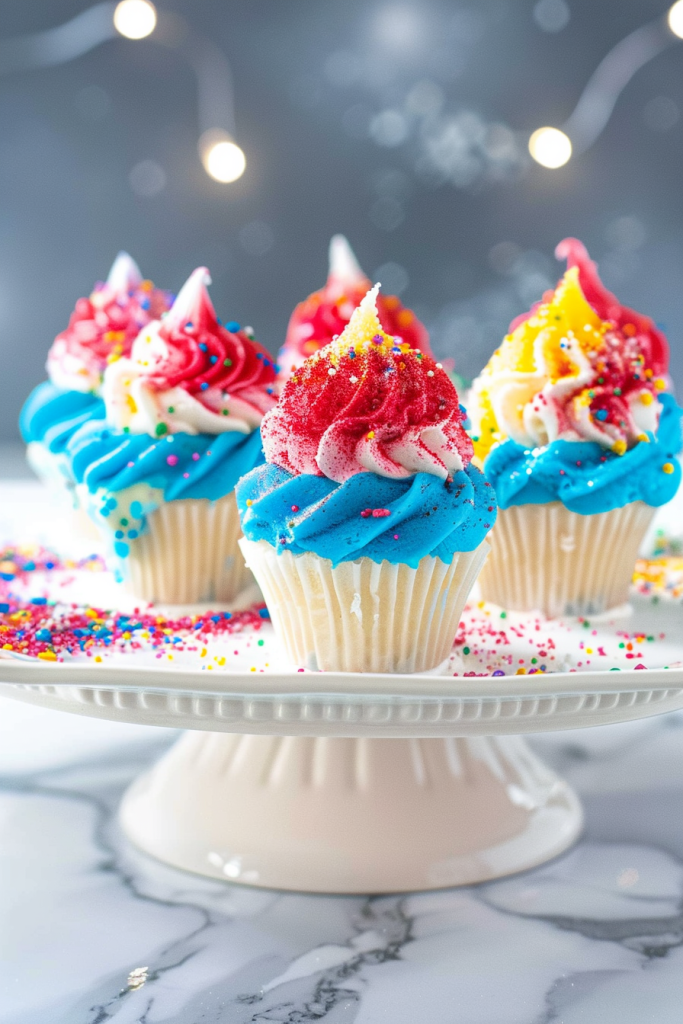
182, 425
321, 317
101, 329
366, 526
578, 435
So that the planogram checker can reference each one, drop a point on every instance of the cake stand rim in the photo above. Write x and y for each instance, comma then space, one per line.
338, 685
519, 710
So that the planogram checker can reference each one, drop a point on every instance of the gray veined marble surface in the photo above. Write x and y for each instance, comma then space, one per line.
92, 931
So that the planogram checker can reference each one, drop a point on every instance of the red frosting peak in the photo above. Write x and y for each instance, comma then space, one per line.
323, 315
198, 354
368, 402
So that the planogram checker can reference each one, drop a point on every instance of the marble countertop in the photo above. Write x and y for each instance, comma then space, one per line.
92, 931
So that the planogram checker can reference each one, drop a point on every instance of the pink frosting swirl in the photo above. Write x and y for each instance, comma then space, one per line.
103, 327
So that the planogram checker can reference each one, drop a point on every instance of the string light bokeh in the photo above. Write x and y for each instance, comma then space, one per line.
222, 157
675, 19
135, 19
553, 147
550, 147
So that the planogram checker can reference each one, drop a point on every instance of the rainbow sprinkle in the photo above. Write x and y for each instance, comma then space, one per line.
660, 577
52, 630
490, 641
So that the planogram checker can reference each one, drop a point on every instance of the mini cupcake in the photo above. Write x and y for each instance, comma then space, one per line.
321, 317
158, 476
101, 329
578, 436
366, 526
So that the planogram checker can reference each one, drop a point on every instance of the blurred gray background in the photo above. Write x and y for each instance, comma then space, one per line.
403, 125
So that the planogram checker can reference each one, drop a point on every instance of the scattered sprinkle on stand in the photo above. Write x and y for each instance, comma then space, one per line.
490, 641
51, 630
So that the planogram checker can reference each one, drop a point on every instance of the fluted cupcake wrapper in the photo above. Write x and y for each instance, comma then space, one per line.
364, 616
545, 558
188, 553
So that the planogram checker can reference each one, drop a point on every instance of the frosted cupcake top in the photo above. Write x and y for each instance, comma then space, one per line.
103, 326
321, 317
367, 457
187, 373
578, 367
368, 402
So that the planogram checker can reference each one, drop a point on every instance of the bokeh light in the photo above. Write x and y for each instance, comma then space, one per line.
550, 147
675, 19
135, 19
552, 15
400, 27
224, 161
147, 179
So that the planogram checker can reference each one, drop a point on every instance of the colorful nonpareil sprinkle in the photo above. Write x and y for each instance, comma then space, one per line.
666, 544
56, 632
37, 620
491, 641
660, 577
20, 561
53, 629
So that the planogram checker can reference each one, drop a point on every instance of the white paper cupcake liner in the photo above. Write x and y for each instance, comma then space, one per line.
364, 616
188, 553
545, 558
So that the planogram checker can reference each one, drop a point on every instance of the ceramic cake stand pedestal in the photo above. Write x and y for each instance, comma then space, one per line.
377, 784
362, 814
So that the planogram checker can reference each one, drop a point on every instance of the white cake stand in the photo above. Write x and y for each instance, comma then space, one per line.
348, 783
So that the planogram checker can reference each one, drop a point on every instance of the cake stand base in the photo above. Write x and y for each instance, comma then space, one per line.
351, 815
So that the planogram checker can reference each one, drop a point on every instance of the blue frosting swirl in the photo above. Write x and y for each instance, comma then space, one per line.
202, 465
52, 416
427, 516
584, 476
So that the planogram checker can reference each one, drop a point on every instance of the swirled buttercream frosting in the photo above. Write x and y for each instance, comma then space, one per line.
121, 479
586, 477
382, 518
367, 456
368, 402
50, 416
103, 326
178, 465
323, 315
578, 367
188, 373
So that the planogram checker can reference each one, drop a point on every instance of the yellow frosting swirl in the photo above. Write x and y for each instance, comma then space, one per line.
555, 376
